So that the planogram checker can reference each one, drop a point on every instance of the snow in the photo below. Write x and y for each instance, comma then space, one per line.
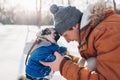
12, 42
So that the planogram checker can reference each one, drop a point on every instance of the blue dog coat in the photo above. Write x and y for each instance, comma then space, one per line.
44, 53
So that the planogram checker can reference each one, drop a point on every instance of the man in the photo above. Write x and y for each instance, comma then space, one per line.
98, 35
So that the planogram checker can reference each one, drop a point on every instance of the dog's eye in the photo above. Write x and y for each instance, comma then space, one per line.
46, 32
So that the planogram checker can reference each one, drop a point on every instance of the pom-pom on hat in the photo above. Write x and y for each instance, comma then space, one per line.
65, 17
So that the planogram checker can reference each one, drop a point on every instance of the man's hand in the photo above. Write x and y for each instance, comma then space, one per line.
55, 65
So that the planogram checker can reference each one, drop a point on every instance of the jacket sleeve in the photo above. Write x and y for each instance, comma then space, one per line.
73, 71
73, 58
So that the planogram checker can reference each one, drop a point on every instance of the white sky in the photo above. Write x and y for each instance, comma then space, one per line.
31, 4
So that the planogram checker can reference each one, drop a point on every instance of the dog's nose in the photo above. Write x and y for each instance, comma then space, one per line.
57, 36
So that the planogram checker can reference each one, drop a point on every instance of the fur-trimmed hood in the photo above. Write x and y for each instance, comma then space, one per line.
94, 13
92, 16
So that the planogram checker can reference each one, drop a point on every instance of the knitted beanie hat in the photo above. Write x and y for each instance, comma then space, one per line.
65, 17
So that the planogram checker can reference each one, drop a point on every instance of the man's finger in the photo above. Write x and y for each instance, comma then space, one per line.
57, 54
44, 63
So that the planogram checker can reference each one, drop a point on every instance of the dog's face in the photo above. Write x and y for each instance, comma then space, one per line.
49, 34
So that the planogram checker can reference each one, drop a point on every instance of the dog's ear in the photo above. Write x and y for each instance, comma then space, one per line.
46, 31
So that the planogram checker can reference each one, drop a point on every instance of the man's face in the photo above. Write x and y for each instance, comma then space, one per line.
72, 34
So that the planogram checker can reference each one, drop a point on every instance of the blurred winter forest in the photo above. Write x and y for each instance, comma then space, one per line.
36, 12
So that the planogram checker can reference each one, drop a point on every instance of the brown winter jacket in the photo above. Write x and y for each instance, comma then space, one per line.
102, 41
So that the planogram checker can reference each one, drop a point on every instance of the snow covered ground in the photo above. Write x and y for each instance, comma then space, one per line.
12, 43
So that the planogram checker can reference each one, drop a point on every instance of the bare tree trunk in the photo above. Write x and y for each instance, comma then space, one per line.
69, 3
114, 4
62, 2
38, 11
86, 1
39, 22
